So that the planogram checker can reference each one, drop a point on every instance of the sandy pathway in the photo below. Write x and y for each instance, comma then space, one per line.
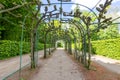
111, 64
59, 67
11, 65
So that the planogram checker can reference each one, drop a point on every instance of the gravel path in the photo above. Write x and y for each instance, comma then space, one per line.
111, 64
59, 67
11, 65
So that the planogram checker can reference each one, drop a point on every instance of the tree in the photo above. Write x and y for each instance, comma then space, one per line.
109, 33
19, 10
11, 19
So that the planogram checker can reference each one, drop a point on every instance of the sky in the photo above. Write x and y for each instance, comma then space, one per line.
90, 3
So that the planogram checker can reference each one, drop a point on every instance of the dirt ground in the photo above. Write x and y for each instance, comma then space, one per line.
96, 72
61, 66
10, 65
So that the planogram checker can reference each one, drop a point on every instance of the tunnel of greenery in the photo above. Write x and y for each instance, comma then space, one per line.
29, 26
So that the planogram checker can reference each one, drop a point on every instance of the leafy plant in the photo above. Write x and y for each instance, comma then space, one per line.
109, 48
12, 48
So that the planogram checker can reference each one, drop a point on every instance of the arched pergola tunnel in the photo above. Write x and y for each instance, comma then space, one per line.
77, 20
78, 32
72, 27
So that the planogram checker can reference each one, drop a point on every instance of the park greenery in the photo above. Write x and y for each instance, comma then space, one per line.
22, 24
10, 48
109, 48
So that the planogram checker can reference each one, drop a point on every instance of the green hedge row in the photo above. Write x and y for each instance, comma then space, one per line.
109, 48
12, 48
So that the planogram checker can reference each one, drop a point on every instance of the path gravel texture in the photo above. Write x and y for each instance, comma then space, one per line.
11, 65
111, 64
59, 67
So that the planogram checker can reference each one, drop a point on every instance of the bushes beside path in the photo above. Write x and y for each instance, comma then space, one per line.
12, 48
109, 48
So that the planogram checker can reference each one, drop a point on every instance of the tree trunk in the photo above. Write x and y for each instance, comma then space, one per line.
75, 54
70, 48
50, 45
33, 39
45, 55
49, 49
65, 45
85, 50
89, 47
82, 58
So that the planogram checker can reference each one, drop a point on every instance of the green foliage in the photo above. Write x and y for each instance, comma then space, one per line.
12, 48
60, 45
40, 46
0, 34
7, 49
110, 32
10, 22
73, 45
109, 48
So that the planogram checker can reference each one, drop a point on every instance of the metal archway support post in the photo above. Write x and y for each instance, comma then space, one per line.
21, 45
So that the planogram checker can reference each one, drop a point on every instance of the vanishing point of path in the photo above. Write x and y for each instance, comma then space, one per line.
59, 67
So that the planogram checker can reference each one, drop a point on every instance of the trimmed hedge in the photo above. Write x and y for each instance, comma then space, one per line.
12, 48
109, 48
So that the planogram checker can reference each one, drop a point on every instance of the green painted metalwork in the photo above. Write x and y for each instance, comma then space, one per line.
21, 45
